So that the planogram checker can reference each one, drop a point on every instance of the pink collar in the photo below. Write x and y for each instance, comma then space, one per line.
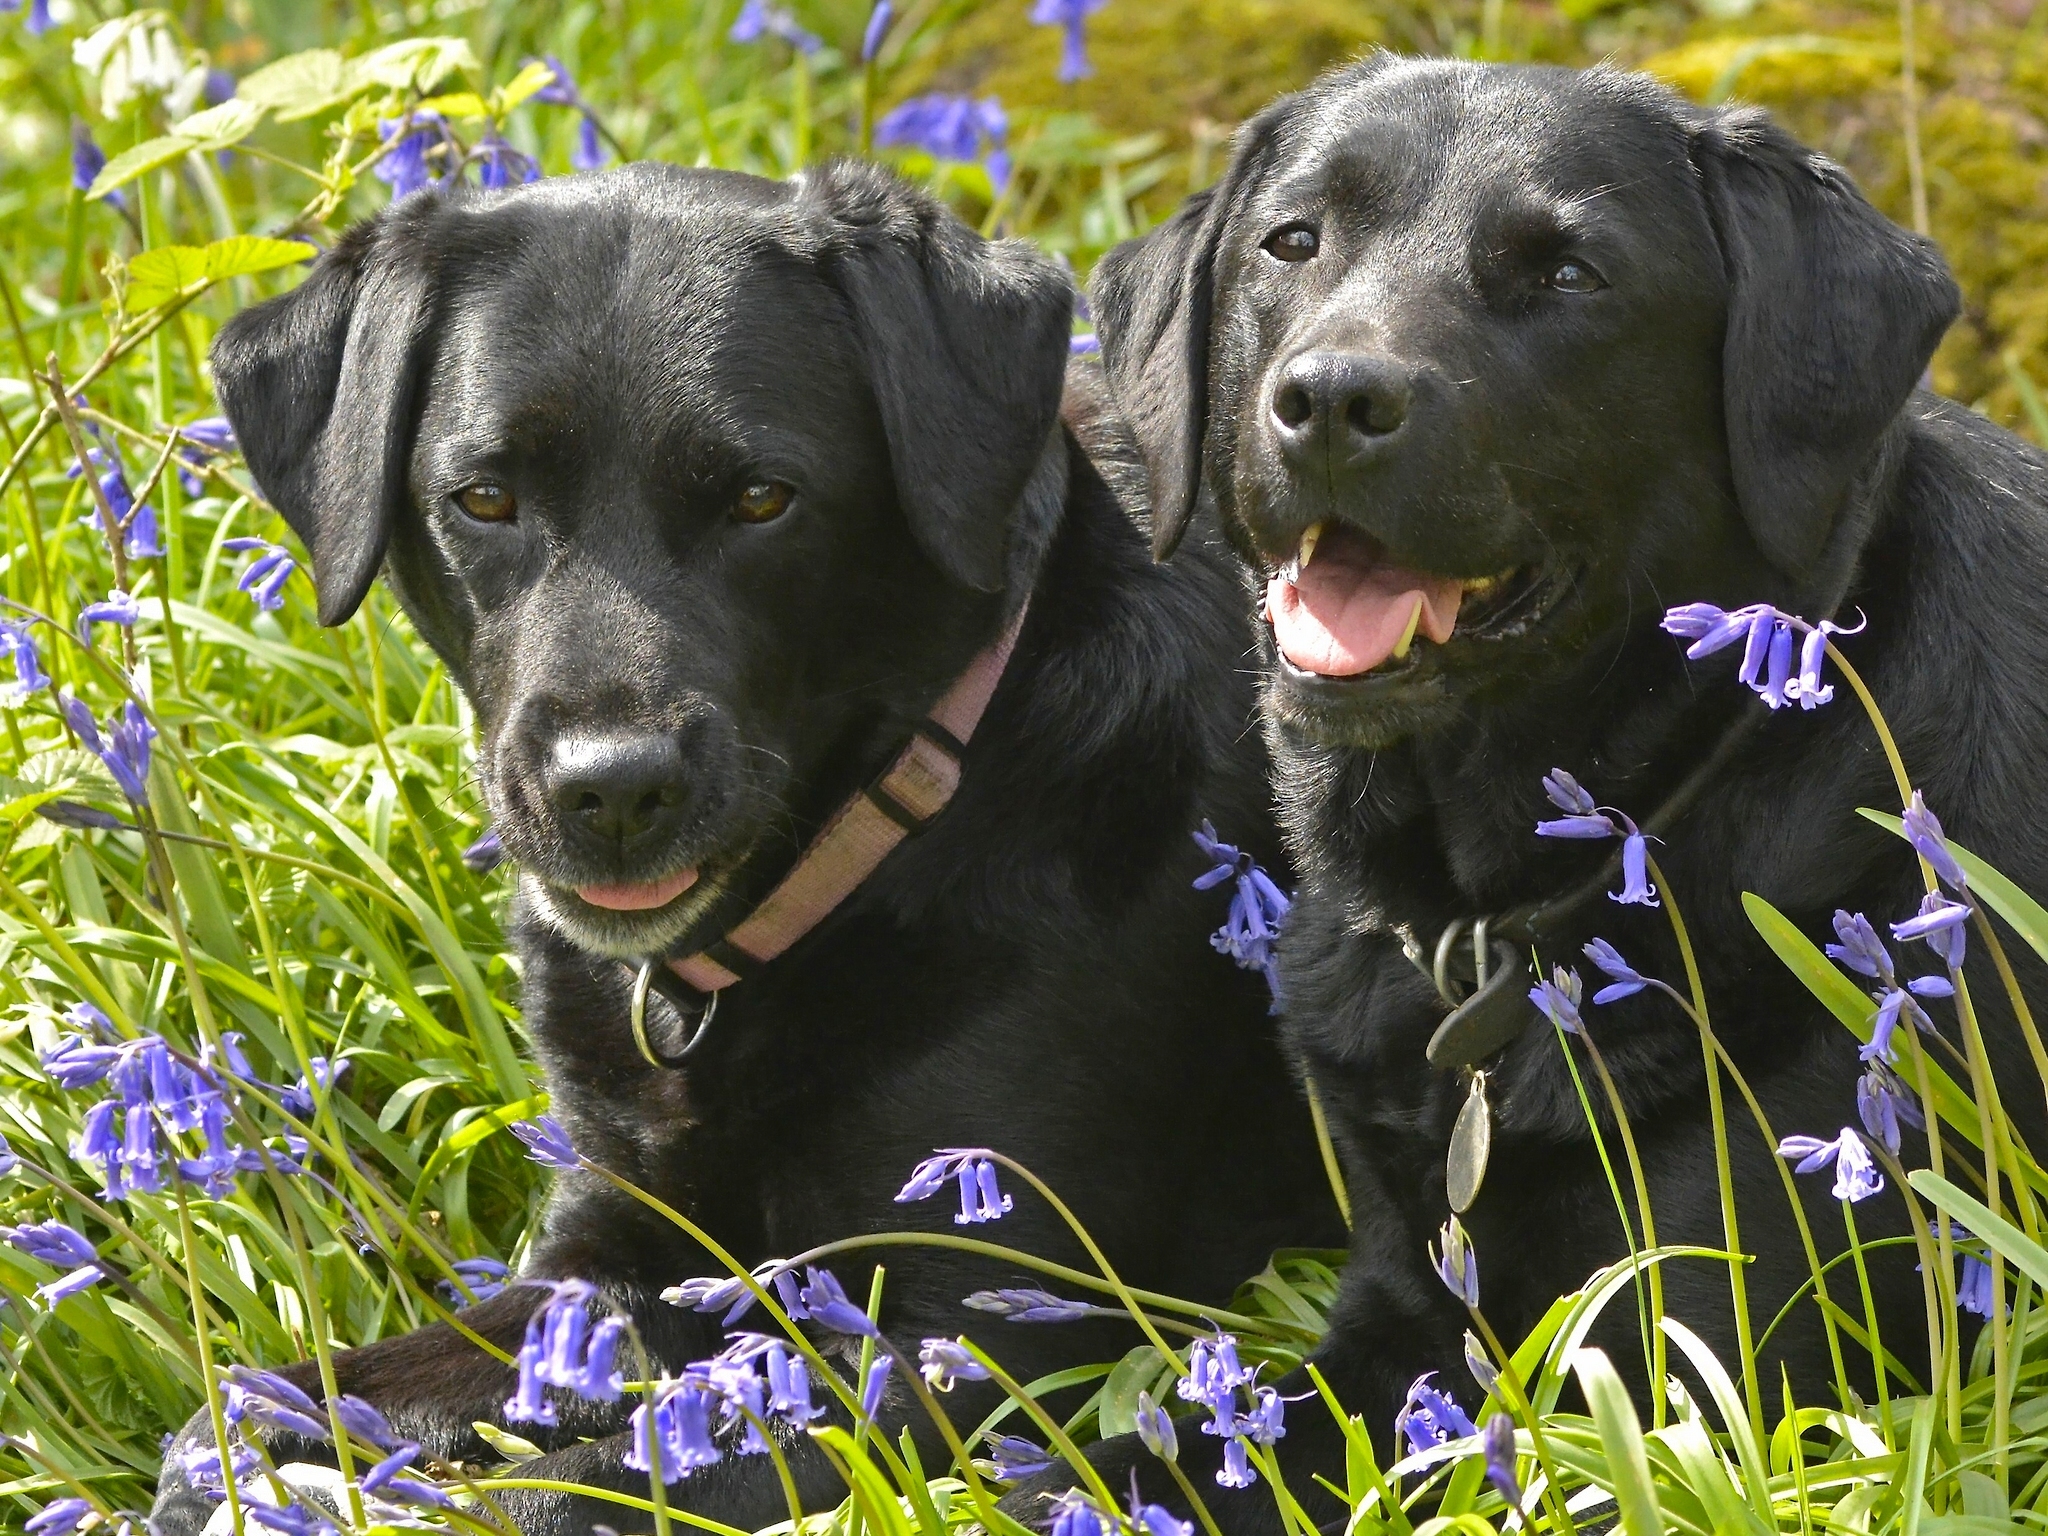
861, 833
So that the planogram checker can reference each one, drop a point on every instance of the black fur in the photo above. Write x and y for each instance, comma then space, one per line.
626, 352
1731, 419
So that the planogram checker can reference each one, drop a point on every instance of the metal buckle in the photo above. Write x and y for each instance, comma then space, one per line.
656, 1057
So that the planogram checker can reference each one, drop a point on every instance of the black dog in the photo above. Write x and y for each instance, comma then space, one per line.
705, 488
1483, 369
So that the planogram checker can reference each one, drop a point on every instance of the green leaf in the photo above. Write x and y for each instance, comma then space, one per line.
505, 1443
217, 127
301, 84
413, 63
2021, 1251
2027, 916
521, 87
1621, 1436
466, 105
1749, 1450
138, 161
155, 277
1135, 1373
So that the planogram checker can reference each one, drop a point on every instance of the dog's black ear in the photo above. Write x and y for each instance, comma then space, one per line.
966, 342
1833, 312
319, 384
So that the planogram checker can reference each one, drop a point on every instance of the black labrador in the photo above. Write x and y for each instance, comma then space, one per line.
1484, 368
705, 487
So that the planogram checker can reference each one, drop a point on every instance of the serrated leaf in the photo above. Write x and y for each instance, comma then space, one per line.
218, 127
414, 63
465, 105
521, 87
300, 85
164, 273
138, 161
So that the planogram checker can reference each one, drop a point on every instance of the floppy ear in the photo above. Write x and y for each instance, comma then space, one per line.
1833, 312
319, 384
966, 342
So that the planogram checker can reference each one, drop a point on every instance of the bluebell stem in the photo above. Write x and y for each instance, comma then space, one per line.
19, 648
547, 1143
1856, 1176
264, 577
877, 30
1257, 908
61, 1247
1941, 923
1431, 1418
484, 1278
951, 128
825, 1301
1923, 831
1073, 1513
761, 18
875, 1387
485, 854
1456, 1264
1155, 1429
1628, 981
981, 1199
1484, 1372
1071, 16
1558, 999
943, 1362
1499, 1440
1027, 1306
59, 1517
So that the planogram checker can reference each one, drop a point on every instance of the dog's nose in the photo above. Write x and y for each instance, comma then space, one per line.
1339, 402
617, 788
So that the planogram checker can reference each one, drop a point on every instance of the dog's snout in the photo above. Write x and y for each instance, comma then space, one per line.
619, 787
1340, 401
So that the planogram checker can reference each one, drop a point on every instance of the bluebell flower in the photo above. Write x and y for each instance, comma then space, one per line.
407, 168
61, 1247
485, 854
1236, 1471
1456, 1264
1860, 948
59, 1517
874, 1387
1257, 908
88, 160
117, 607
1940, 922
825, 1301
1214, 1375
1973, 1287
677, 1427
1636, 889
19, 648
141, 1164
1482, 1369
125, 750
1431, 1418
547, 1143
973, 1169
198, 443
1154, 1519
1083, 344
789, 1385
363, 1422
215, 1168
1923, 830
1584, 819
1856, 1176
406, 1453
561, 1349
1499, 1441
1628, 981
269, 1399
1266, 1420
943, 1362
1861, 951
1155, 1429
297, 1100
949, 127
871, 39
201, 1465
484, 1279
761, 18
264, 577
1568, 794
499, 165
293, 1519
710, 1293
1558, 999
74, 1062
1767, 654
1028, 1306
1073, 1513
1072, 16
561, 91
8, 1160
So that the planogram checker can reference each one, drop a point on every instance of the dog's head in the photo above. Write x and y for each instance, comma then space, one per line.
1477, 362
699, 483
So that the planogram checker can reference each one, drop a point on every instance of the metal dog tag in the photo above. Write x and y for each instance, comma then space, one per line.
1471, 1142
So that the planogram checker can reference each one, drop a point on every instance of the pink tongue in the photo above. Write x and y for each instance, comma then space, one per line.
1339, 621
638, 898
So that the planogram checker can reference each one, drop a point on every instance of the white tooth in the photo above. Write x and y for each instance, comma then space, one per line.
1291, 571
1307, 552
1408, 634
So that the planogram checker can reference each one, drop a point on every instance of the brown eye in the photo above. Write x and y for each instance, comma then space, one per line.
1292, 242
763, 502
487, 502
1574, 277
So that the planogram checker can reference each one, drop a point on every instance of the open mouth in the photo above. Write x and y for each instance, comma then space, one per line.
1340, 606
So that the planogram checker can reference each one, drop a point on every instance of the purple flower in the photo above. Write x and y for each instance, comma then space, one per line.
382, 1473
1155, 1429
1941, 923
1016, 1458
1856, 1176
1083, 344
297, 1100
1027, 1306
364, 1422
1973, 1287
61, 1247
1073, 1513
1636, 889
1257, 908
676, 1427
972, 1168
500, 165
292, 1519
271, 1400
1213, 1379
484, 1278
561, 1349
125, 750
117, 607
1236, 1471
1072, 15
1768, 647
588, 154
1266, 1421
1155, 1519
1584, 819
485, 854
1627, 980
201, 1465
8, 1161
1568, 795
19, 647
405, 169
873, 1388
59, 1517
943, 1362
710, 1293
265, 576
87, 158
760, 18
1431, 1418
1923, 830
1860, 950
201, 441
1558, 999
560, 91
949, 127
1456, 1264
879, 20
74, 1062
825, 1301
1499, 1441
1884, 1103
546, 1142
1482, 1369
